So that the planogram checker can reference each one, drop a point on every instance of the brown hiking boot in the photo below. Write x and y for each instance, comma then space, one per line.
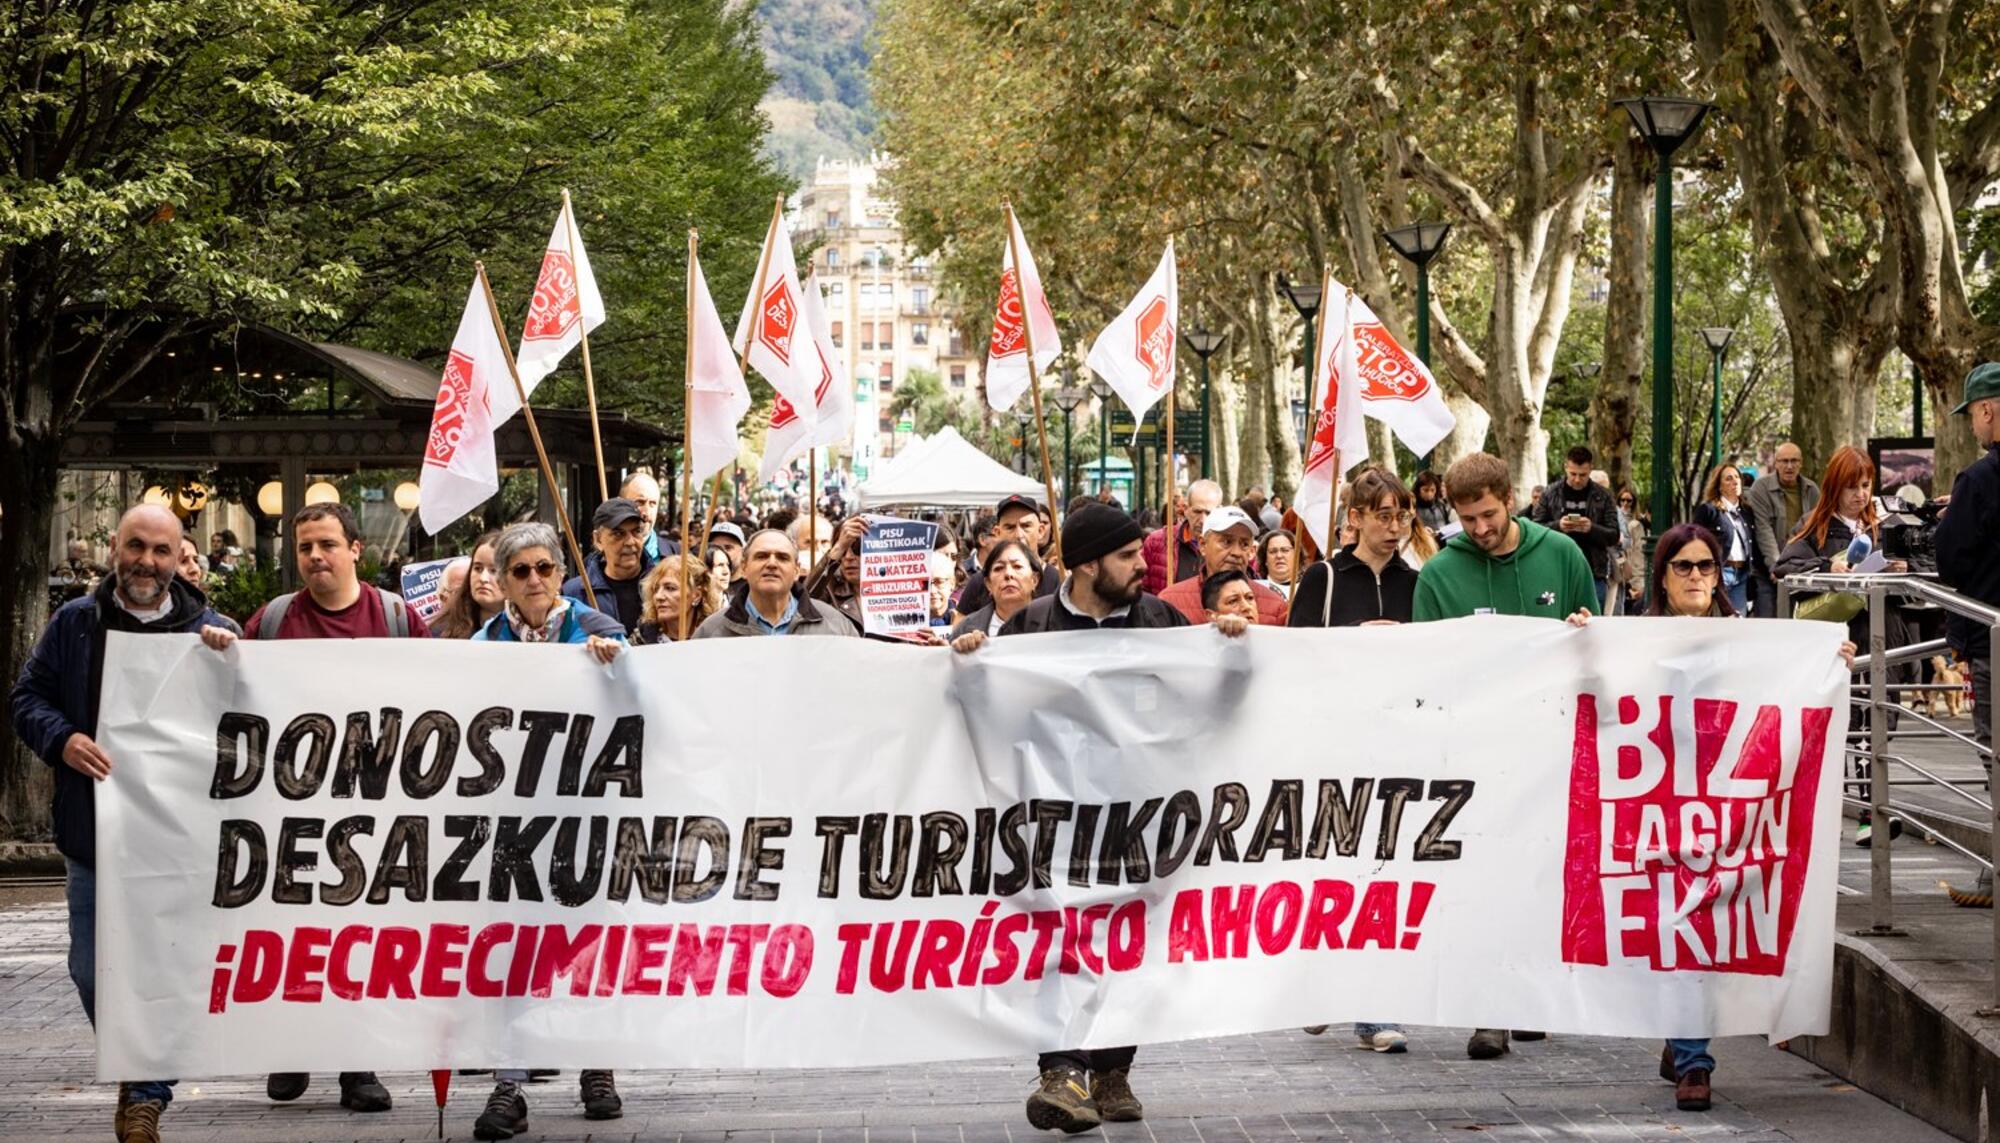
142, 1122
118, 1116
1062, 1103
1667, 1064
1112, 1093
1692, 1092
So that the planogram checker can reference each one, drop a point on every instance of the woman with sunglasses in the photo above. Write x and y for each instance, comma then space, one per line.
531, 575
1687, 573
1629, 572
530, 560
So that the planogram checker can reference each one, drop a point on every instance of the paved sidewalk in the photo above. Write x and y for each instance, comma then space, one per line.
1281, 1086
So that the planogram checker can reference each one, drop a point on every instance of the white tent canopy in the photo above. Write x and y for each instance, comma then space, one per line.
945, 471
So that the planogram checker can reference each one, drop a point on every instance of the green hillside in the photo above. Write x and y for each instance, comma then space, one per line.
818, 50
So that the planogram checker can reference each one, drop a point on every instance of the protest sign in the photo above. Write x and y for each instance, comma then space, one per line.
896, 577
328, 855
423, 587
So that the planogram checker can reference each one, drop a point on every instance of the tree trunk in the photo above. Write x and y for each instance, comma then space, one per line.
28, 473
1833, 385
1225, 428
1614, 406
1467, 436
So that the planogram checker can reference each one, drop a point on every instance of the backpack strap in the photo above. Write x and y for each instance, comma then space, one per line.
274, 615
395, 612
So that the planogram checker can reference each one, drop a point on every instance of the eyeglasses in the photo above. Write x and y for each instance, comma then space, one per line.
542, 568
1686, 568
1390, 518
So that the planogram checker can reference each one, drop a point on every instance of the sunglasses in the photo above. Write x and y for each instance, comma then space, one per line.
1686, 568
1626, 500
542, 568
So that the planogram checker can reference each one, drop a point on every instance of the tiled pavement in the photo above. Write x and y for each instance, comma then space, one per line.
1280, 1086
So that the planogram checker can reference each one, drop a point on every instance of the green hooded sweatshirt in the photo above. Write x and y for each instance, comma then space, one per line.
1545, 575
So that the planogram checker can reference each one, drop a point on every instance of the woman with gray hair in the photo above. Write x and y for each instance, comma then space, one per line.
529, 557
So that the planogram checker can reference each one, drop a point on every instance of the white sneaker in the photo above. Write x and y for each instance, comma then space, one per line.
1387, 1040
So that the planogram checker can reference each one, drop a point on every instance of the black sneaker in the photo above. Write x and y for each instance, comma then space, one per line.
361, 1091
1112, 1093
506, 1113
1062, 1103
1487, 1044
285, 1087
600, 1096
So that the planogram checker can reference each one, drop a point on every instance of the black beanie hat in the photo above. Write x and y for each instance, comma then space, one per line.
1095, 531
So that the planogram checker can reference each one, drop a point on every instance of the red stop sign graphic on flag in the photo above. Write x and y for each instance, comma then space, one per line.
1387, 372
776, 319
1155, 343
555, 308
1009, 334
454, 408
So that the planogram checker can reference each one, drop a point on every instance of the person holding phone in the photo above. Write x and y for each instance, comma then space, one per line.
1584, 511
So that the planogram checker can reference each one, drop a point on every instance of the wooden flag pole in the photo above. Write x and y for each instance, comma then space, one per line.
1333, 493
1035, 385
708, 518
1173, 541
589, 382
687, 438
812, 500
534, 431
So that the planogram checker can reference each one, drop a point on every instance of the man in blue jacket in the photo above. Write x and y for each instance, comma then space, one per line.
618, 530
55, 713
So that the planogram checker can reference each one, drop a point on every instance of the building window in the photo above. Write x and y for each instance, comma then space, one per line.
886, 423
833, 220
834, 330
887, 375
920, 300
957, 344
867, 335
920, 333
836, 289
958, 376
833, 257
885, 335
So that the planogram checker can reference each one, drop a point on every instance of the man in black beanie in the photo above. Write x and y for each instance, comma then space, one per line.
1102, 546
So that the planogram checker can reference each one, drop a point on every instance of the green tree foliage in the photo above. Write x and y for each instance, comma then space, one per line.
333, 169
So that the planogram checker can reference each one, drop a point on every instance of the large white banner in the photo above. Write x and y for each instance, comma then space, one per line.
812, 852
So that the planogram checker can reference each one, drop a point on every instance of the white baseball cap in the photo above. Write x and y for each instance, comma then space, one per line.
1226, 517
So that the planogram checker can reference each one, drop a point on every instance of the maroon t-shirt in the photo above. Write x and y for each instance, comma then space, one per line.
362, 619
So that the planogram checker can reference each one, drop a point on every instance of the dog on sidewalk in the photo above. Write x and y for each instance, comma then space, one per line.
1947, 673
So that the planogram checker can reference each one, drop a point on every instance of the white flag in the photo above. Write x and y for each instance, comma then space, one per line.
1396, 388
1338, 427
719, 398
1135, 353
1007, 353
771, 335
791, 435
566, 306
459, 471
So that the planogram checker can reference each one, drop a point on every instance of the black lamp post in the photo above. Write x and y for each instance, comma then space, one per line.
1717, 338
1304, 297
1021, 421
1204, 345
1418, 243
1068, 398
1665, 122
1102, 390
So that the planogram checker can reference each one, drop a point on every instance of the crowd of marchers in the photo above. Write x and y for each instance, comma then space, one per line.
1444, 547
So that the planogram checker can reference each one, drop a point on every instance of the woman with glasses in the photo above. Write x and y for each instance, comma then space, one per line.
475, 604
530, 559
1723, 513
1687, 571
1630, 569
1274, 559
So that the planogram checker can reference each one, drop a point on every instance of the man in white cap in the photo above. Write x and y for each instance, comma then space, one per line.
1228, 541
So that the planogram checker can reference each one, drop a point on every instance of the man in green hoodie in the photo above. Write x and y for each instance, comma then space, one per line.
1501, 564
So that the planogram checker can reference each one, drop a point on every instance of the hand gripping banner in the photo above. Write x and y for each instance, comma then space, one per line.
778, 852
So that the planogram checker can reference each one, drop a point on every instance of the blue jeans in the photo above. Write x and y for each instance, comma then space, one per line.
1603, 587
1689, 1055
82, 893
1737, 584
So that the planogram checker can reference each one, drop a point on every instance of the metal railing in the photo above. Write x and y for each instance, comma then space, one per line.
1872, 752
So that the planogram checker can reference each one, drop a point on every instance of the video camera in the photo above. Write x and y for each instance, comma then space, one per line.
1909, 527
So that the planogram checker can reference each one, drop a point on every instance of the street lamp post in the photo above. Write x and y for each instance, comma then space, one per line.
1304, 297
1021, 422
1717, 338
1102, 390
1204, 345
1665, 122
1068, 398
1418, 243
